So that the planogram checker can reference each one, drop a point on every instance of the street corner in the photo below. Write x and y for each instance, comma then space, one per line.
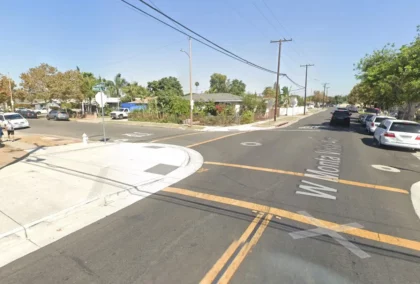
69, 187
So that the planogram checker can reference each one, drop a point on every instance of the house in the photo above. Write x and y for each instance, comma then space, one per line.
218, 98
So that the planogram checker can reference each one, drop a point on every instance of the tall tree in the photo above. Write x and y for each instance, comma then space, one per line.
196, 86
40, 81
219, 83
237, 87
164, 90
132, 91
119, 83
269, 92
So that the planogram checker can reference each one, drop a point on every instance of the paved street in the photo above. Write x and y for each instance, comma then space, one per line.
301, 204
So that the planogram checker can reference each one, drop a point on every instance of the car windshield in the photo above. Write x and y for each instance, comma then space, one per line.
368, 117
63, 112
13, 116
380, 119
120, 109
405, 127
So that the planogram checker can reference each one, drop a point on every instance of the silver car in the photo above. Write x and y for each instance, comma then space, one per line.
58, 115
374, 121
398, 133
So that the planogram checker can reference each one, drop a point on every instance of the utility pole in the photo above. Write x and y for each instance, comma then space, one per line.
278, 74
189, 54
306, 84
12, 103
323, 99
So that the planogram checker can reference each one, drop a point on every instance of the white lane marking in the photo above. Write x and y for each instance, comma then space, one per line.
316, 190
415, 197
251, 144
137, 134
386, 168
320, 230
121, 140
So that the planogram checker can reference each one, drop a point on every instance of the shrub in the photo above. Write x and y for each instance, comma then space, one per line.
247, 117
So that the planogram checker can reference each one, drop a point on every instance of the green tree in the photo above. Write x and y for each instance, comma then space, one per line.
219, 83
196, 86
119, 83
164, 90
237, 87
269, 92
40, 81
132, 91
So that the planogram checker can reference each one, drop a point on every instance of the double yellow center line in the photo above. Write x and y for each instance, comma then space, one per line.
241, 247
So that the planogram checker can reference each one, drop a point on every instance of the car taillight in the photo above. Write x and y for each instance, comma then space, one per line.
418, 137
392, 135
372, 124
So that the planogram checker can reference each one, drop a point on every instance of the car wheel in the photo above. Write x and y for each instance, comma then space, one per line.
120, 116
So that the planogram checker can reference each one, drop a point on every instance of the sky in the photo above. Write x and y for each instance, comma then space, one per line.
107, 37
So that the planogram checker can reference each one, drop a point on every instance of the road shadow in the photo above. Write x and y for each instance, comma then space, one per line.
371, 143
17, 160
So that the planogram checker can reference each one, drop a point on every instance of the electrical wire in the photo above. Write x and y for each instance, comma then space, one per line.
223, 51
184, 33
218, 46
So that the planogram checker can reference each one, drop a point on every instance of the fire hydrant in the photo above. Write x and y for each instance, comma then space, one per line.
85, 138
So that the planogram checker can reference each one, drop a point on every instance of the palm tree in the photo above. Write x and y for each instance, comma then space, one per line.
286, 97
119, 83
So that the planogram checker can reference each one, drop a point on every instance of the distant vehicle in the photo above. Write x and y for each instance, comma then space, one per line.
41, 111
398, 133
27, 113
16, 119
310, 106
374, 121
341, 117
366, 118
353, 108
373, 110
120, 113
58, 115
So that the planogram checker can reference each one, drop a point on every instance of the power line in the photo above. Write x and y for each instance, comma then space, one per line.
184, 33
178, 23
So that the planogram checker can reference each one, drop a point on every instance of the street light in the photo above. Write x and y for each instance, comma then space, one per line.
191, 100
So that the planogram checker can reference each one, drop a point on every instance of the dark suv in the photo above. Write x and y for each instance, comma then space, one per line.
341, 117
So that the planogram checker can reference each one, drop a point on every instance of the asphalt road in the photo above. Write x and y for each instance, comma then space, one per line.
302, 205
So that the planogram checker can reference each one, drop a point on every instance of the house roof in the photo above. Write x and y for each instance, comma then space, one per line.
216, 97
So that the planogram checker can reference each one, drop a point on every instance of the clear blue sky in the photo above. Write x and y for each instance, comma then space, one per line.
106, 37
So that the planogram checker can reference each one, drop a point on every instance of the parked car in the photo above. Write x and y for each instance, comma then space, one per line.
371, 110
398, 133
374, 121
120, 113
27, 113
340, 117
15, 118
58, 115
366, 118
41, 111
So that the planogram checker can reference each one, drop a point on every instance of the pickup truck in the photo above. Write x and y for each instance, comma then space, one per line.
120, 113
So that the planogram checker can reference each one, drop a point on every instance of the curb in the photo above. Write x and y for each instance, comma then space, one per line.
415, 197
192, 162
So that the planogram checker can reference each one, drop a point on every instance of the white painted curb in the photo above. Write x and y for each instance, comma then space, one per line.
20, 241
415, 197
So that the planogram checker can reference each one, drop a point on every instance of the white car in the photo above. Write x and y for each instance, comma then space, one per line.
120, 113
373, 122
16, 119
41, 111
398, 133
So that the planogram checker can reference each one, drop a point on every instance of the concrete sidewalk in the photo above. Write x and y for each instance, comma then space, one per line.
58, 190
